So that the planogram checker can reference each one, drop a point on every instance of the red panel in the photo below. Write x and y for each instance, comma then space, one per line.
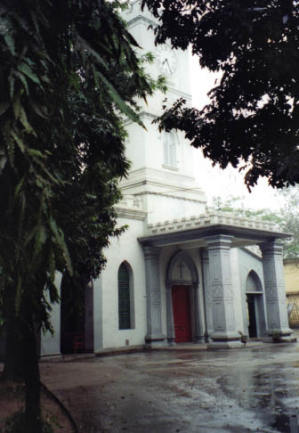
181, 313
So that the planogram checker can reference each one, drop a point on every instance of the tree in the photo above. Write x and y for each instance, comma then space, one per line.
254, 110
286, 218
68, 79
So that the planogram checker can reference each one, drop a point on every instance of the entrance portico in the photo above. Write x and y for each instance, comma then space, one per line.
182, 300
213, 237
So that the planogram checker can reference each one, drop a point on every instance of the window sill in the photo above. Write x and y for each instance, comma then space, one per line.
170, 167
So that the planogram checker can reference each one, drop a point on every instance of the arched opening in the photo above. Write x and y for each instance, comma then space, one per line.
125, 297
255, 306
183, 321
76, 316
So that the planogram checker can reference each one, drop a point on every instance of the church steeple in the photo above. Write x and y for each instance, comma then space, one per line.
172, 64
163, 164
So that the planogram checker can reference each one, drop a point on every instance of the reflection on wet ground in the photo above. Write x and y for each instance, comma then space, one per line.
246, 390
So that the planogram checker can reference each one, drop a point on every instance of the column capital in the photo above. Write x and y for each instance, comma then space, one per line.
219, 241
205, 254
150, 251
274, 246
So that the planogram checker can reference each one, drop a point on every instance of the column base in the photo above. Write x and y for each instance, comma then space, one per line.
280, 339
220, 345
171, 341
154, 340
199, 340
283, 335
224, 340
225, 336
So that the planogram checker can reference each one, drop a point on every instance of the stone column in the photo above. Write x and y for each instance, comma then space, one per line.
220, 289
278, 324
198, 335
207, 295
153, 296
170, 320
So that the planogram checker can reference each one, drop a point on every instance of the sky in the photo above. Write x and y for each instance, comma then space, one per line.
228, 182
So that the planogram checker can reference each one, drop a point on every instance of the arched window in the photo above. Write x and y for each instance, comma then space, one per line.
124, 297
170, 149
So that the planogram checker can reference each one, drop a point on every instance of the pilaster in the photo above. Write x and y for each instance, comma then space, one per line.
207, 295
153, 296
170, 320
220, 290
278, 325
198, 334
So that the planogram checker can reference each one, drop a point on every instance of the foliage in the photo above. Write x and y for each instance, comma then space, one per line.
68, 70
287, 218
69, 78
254, 109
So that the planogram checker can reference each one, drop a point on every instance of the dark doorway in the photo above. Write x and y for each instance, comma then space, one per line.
252, 326
76, 317
181, 313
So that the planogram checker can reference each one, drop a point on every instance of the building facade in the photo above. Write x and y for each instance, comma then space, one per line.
179, 273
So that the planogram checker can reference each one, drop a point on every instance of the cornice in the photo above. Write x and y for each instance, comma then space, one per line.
130, 213
161, 194
213, 219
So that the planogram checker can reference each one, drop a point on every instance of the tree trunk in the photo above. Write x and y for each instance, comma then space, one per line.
21, 357
13, 366
32, 381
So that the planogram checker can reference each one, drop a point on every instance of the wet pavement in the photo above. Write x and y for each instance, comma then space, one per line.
242, 390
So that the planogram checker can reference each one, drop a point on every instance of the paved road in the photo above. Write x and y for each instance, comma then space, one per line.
237, 391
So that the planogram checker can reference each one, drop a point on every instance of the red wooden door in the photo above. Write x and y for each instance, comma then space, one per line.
181, 313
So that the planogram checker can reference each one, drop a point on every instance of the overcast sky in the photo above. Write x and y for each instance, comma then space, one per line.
227, 182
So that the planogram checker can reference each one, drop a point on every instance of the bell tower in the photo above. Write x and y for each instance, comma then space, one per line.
162, 164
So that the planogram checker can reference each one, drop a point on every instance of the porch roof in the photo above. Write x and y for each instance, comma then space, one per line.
191, 232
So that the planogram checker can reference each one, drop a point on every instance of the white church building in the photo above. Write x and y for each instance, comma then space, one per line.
179, 273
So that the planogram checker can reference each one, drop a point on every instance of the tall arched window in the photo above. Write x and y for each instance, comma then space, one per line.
170, 149
124, 297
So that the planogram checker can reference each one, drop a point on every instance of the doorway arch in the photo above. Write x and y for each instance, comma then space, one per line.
255, 306
182, 287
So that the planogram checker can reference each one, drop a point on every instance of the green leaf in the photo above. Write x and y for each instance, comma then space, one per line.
94, 53
24, 81
19, 186
58, 235
3, 107
18, 140
16, 107
35, 152
41, 236
25, 123
23, 67
11, 86
119, 101
10, 43
38, 110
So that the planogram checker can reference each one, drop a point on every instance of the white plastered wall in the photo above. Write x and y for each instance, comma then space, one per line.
125, 248
50, 343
